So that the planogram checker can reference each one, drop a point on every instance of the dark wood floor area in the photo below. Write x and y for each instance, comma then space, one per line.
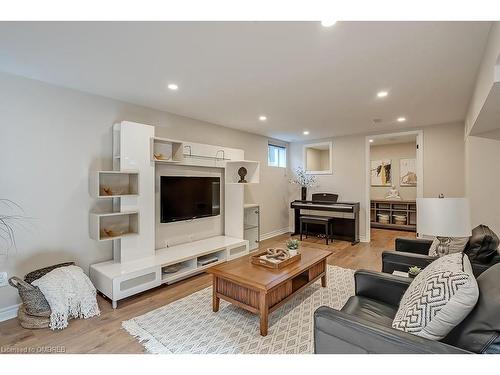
104, 334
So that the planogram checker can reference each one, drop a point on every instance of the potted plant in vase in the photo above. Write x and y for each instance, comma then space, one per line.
293, 246
414, 271
304, 180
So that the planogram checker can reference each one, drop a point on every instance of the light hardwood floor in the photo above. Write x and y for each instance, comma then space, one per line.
104, 334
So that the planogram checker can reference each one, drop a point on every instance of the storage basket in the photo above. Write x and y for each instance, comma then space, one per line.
31, 322
399, 219
32, 276
33, 299
383, 218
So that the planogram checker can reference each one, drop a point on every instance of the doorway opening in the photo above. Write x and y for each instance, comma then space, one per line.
394, 180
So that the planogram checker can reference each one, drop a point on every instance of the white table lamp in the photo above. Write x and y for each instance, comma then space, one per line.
443, 218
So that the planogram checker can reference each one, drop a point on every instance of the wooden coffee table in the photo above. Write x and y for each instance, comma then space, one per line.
262, 290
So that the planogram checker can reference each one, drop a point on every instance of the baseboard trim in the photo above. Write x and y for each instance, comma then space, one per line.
274, 233
281, 231
8, 312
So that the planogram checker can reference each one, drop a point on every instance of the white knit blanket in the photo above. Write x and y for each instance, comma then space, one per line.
70, 294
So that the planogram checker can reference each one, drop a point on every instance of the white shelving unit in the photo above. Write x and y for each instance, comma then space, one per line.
136, 265
114, 184
113, 225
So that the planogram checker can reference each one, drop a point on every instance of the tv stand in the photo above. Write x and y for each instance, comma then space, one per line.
118, 280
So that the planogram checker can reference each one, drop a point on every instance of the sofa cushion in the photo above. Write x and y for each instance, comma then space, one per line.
371, 310
480, 331
439, 298
457, 245
483, 245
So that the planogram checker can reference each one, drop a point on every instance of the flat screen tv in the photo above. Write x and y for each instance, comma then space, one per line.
187, 198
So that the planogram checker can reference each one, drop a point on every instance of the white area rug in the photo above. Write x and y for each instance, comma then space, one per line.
189, 325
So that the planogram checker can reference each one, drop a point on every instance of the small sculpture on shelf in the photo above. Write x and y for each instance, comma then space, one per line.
393, 193
242, 172
107, 190
107, 232
160, 156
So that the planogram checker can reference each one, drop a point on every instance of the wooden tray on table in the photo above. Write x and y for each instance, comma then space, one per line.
257, 260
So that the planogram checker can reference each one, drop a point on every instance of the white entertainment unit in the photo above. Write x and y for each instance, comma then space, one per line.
137, 266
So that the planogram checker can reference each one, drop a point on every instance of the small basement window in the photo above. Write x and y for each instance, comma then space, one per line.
276, 156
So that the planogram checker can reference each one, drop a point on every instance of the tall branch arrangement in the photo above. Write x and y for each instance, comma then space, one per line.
11, 218
302, 178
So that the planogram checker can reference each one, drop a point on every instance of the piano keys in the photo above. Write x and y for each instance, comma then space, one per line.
345, 217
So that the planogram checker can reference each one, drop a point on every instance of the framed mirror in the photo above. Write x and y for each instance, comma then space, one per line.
318, 158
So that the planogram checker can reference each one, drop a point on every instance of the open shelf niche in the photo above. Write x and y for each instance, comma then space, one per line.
115, 225
252, 167
406, 211
165, 150
115, 184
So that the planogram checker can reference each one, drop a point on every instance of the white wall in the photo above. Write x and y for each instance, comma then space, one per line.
348, 177
443, 167
483, 181
394, 152
485, 76
51, 138
444, 160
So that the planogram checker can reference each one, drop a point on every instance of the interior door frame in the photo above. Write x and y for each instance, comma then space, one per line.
420, 170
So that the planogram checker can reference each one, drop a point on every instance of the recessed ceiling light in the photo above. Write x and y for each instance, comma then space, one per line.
328, 23
305, 132
370, 140
382, 94
401, 119
173, 86
262, 118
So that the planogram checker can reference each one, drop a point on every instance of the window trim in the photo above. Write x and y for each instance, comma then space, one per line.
271, 144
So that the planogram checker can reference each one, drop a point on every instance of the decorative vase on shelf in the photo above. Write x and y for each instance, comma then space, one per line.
304, 193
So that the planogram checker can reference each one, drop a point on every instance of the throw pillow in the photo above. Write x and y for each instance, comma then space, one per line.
439, 298
483, 245
457, 245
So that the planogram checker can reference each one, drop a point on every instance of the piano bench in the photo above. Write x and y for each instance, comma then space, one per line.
316, 219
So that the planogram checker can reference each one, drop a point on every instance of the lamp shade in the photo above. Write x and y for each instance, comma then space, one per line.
444, 217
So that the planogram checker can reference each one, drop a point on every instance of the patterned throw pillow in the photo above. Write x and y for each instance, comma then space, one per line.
439, 298
457, 245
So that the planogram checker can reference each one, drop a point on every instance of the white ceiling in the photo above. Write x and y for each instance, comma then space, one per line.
299, 74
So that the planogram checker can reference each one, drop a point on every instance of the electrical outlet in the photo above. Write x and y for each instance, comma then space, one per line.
3, 279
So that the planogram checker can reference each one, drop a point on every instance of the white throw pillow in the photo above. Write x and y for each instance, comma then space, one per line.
457, 245
439, 298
